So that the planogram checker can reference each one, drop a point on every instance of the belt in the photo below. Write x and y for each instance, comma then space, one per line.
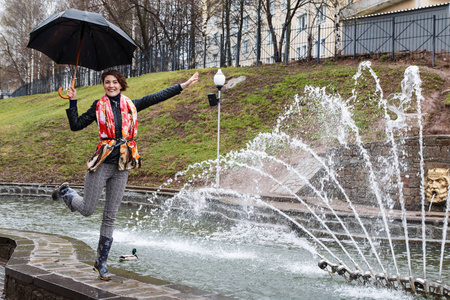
119, 141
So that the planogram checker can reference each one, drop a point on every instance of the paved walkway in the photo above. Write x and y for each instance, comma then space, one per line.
54, 264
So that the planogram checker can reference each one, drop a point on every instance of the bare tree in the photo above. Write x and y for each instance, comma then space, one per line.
316, 14
226, 29
290, 8
336, 8
18, 18
13, 69
158, 23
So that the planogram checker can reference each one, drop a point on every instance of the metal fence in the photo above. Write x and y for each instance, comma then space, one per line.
390, 36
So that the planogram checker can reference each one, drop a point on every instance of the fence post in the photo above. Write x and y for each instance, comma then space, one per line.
288, 45
222, 58
163, 58
258, 46
258, 35
393, 38
318, 44
177, 56
434, 41
238, 49
204, 54
354, 40
174, 49
183, 48
151, 66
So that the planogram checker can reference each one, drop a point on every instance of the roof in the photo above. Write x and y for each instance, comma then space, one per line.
396, 11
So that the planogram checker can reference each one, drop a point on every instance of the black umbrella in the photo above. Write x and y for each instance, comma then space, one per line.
82, 38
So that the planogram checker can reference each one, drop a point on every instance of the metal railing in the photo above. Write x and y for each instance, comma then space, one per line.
393, 37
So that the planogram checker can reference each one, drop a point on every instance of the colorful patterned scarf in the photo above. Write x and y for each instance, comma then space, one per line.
129, 156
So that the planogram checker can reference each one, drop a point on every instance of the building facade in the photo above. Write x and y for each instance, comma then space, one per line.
320, 30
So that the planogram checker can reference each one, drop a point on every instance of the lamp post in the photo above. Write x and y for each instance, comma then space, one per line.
219, 81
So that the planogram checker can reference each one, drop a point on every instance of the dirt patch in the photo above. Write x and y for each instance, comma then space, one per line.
437, 119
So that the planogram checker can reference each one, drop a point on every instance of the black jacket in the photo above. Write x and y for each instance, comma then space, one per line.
77, 122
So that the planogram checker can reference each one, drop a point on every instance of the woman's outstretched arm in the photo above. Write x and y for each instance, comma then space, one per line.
165, 94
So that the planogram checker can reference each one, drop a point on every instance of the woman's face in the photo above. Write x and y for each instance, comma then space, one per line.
112, 86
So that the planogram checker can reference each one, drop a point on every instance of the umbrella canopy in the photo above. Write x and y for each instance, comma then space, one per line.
82, 38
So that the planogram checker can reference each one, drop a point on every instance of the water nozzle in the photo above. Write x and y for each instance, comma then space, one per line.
323, 264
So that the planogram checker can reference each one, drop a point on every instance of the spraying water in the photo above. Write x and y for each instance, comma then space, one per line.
338, 126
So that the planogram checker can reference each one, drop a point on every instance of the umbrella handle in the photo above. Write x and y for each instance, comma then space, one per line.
73, 84
61, 95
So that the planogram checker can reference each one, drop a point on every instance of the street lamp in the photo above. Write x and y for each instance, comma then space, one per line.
219, 81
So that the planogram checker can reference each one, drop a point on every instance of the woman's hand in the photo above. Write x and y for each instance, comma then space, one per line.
190, 82
72, 93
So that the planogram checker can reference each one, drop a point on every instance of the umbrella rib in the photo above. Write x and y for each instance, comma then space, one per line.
71, 35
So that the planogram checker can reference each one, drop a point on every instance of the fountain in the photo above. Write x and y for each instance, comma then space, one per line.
385, 185
313, 201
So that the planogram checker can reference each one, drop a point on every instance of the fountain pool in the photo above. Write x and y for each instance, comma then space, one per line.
238, 259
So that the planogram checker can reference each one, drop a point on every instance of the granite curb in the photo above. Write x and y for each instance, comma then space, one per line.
45, 266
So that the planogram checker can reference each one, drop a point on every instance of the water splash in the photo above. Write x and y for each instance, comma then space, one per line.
444, 235
339, 127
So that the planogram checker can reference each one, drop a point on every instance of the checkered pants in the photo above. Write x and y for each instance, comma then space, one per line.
107, 175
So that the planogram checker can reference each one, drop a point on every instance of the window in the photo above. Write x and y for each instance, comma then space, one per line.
234, 28
233, 52
321, 14
322, 47
269, 37
314, 49
301, 22
283, 5
215, 60
245, 47
272, 8
298, 52
216, 39
235, 6
246, 23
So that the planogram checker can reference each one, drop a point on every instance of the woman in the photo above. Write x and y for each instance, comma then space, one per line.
116, 116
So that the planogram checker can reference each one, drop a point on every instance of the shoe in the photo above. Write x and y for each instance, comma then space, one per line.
65, 193
67, 196
56, 195
104, 245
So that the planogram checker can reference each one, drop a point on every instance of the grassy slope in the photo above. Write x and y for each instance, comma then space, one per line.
37, 144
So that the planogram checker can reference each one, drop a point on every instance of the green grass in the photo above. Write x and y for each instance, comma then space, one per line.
447, 100
37, 144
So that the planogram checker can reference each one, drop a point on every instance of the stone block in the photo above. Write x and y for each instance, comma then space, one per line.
69, 288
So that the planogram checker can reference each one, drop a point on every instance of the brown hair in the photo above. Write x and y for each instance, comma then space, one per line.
120, 78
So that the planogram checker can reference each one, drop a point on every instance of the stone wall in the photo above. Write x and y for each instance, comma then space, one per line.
133, 196
230, 209
354, 176
7, 247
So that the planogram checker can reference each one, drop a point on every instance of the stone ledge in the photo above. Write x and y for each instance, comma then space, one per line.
44, 266
231, 208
